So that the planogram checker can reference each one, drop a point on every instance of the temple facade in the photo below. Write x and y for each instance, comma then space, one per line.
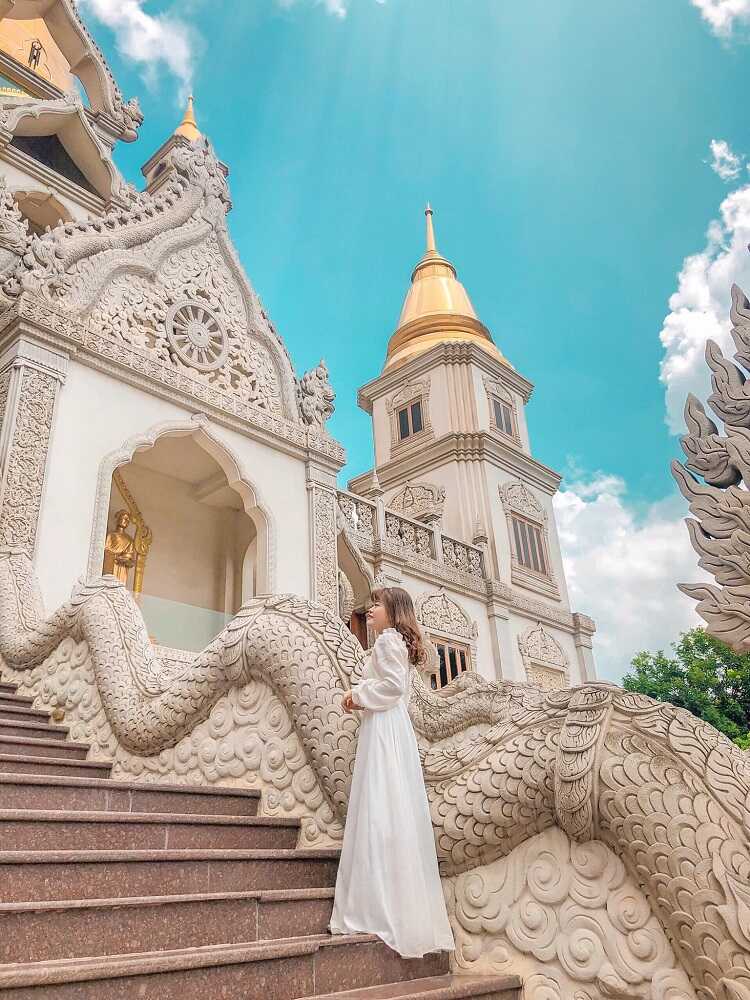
154, 427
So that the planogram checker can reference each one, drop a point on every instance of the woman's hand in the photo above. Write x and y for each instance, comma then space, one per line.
349, 704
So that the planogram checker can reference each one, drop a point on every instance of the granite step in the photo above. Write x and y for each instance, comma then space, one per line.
40, 791
16, 700
43, 932
30, 746
281, 969
29, 765
64, 830
48, 875
34, 730
448, 987
22, 713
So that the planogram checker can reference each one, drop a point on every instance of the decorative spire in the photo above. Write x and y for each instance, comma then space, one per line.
437, 309
430, 231
188, 127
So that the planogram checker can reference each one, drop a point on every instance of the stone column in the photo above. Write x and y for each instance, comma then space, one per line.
30, 376
502, 643
583, 630
324, 563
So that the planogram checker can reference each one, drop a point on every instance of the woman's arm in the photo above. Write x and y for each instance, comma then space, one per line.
390, 663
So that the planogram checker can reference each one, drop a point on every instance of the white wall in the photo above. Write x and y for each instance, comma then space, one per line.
95, 415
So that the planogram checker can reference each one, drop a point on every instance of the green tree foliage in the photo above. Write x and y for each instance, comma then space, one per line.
704, 676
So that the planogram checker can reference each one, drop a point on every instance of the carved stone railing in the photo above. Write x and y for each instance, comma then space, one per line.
465, 558
412, 537
360, 515
375, 526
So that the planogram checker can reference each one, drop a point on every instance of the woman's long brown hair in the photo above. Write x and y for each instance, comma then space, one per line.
400, 610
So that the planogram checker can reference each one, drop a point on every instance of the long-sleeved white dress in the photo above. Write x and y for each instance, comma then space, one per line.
388, 881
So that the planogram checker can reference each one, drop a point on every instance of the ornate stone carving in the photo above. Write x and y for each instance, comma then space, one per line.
14, 232
666, 793
516, 496
196, 335
324, 558
409, 536
465, 558
439, 613
125, 276
543, 658
568, 919
420, 501
720, 527
315, 396
359, 515
25, 459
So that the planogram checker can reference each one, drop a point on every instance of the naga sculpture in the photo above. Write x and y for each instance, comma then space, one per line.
503, 763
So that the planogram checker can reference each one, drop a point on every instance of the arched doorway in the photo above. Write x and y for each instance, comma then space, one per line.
184, 538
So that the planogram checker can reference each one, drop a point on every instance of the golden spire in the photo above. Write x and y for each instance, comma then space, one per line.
436, 310
430, 230
188, 127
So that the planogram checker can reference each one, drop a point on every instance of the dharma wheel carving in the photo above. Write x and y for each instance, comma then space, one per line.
197, 336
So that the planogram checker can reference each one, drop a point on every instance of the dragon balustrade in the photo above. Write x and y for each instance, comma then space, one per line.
635, 795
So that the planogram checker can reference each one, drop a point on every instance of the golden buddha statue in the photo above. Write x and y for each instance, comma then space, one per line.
119, 549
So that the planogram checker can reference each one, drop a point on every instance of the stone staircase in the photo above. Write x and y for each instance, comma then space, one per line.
120, 890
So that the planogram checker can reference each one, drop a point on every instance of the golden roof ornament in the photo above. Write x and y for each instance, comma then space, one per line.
437, 309
188, 127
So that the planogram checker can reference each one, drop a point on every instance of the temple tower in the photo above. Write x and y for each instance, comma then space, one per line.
449, 423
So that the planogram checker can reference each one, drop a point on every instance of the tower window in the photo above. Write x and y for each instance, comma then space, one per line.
529, 545
454, 660
410, 420
503, 416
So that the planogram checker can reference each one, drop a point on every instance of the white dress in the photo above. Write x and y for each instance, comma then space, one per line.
388, 881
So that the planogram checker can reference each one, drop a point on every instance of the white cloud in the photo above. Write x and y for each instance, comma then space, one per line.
623, 569
726, 163
699, 309
723, 15
339, 8
151, 40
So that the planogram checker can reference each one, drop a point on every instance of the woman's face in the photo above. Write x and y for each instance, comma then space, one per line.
377, 616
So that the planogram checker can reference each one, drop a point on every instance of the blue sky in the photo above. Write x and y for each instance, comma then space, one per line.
566, 148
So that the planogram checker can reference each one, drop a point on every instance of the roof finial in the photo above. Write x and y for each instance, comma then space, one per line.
430, 231
188, 127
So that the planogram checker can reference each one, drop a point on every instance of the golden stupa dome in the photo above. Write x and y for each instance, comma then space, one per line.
188, 127
437, 310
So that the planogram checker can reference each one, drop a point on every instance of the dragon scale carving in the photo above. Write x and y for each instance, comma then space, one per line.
502, 762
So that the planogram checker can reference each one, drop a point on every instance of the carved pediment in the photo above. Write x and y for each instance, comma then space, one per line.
439, 613
516, 496
162, 276
543, 658
419, 501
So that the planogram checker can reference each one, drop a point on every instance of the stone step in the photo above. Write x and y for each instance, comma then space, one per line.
11, 700
6, 688
29, 765
41, 932
48, 875
275, 970
34, 730
29, 746
63, 830
39, 791
22, 713
448, 987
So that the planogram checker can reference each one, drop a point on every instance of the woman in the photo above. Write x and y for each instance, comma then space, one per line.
388, 881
